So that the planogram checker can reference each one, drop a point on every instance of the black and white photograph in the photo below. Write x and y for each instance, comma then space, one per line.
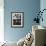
17, 19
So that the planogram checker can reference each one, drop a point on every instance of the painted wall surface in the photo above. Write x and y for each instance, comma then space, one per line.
43, 6
1, 20
29, 7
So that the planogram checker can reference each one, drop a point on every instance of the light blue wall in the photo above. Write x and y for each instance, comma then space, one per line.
29, 7
43, 6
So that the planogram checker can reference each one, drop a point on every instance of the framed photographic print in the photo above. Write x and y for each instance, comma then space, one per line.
17, 19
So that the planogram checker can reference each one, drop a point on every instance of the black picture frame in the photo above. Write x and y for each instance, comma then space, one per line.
17, 19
